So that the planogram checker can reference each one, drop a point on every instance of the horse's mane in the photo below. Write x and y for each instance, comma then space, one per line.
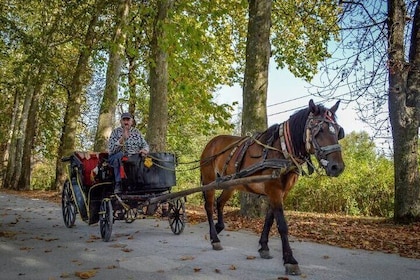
297, 123
271, 131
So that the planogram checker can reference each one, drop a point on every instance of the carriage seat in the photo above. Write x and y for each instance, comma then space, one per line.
91, 163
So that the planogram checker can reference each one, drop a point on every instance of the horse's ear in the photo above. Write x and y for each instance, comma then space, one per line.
335, 107
313, 108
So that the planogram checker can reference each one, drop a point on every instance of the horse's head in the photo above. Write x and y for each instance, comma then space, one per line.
321, 138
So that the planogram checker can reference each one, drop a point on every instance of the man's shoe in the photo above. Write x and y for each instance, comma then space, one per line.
117, 188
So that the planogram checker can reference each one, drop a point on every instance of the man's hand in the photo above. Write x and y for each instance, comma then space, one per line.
143, 152
126, 132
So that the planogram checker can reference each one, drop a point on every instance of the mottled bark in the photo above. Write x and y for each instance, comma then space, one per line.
74, 99
254, 115
158, 107
403, 100
106, 119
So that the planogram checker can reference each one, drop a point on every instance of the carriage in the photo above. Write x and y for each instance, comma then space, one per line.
267, 163
89, 191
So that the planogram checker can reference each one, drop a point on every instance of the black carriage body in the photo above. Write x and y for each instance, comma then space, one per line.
153, 174
92, 180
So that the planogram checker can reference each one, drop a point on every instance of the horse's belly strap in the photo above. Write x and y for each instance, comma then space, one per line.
283, 164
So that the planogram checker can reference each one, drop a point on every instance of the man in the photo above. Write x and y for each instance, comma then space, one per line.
124, 141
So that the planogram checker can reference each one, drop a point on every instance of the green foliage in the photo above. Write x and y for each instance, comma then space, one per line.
366, 187
43, 175
301, 30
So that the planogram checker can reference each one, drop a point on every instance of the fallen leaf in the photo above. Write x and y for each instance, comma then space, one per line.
7, 233
232, 267
187, 258
251, 257
25, 248
197, 269
65, 275
85, 274
111, 266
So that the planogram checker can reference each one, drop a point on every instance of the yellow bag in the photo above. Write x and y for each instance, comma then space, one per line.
148, 162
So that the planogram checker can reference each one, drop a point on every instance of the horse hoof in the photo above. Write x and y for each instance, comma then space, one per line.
217, 246
265, 254
292, 269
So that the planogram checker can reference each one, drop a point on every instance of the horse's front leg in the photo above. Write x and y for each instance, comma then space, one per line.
264, 250
208, 205
291, 265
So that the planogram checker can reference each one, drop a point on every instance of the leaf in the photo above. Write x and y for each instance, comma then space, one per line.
85, 274
7, 233
65, 275
197, 269
187, 258
250, 257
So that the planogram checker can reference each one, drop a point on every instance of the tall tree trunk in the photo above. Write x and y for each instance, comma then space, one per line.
158, 107
14, 165
74, 100
7, 153
106, 119
254, 115
14, 154
403, 101
25, 174
132, 83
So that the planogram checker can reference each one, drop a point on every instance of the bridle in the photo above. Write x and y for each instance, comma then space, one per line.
313, 127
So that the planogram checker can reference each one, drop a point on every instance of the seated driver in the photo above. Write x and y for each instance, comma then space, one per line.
125, 140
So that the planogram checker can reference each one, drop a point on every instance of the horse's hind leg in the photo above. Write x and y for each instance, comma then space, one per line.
208, 205
264, 250
291, 265
221, 202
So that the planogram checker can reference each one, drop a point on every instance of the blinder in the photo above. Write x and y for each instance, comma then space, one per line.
341, 133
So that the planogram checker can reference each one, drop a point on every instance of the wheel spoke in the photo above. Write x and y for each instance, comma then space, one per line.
177, 216
106, 219
68, 205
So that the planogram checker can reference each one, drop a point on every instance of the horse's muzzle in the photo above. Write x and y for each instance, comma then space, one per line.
334, 169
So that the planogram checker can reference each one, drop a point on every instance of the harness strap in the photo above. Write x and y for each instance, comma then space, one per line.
289, 144
232, 152
282, 164
242, 152
283, 141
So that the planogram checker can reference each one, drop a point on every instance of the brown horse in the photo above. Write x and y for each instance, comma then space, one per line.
283, 147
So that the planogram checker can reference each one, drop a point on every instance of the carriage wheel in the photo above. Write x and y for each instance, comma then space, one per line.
176, 215
106, 219
130, 215
68, 205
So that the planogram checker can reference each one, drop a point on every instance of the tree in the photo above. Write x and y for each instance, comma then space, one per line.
380, 54
404, 108
106, 119
289, 38
158, 108
75, 96
254, 116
